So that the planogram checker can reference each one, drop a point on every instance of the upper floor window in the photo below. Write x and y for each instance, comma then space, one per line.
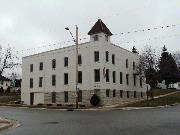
31, 82
40, 81
114, 76
53, 64
40, 66
79, 76
66, 61
126, 63
97, 75
107, 75
53, 80
134, 77
79, 60
96, 38
31, 67
107, 56
134, 66
121, 78
65, 78
96, 56
127, 79
113, 59
106, 38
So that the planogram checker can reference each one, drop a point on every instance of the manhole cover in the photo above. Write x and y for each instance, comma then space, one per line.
51, 122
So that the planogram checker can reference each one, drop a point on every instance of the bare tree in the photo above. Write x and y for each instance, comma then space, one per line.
8, 60
147, 67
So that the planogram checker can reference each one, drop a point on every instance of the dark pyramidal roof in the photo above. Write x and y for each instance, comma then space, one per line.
99, 27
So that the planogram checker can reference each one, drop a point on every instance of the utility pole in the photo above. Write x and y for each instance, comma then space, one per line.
77, 89
76, 81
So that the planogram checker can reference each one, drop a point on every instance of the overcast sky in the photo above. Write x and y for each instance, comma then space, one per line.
27, 24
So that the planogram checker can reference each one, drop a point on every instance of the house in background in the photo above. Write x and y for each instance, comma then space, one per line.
4, 83
104, 69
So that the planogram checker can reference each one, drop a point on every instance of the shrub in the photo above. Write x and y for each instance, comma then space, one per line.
95, 100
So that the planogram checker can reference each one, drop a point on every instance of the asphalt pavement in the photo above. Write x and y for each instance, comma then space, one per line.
157, 121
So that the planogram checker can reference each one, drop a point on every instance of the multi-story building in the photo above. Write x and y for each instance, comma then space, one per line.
104, 69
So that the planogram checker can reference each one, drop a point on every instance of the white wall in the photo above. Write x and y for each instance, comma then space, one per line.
88, 65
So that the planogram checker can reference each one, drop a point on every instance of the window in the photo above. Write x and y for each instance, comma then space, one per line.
141, 94
80, 96
134, 77
106, 37
31, 67
96, 38
66, 61
127, 94
65, 78
79, 60
114, 76
113, 59
121, 78
126, 63
134, 94
40, 81
79, 76
127, 79
107, 56
53, 64
53, 80
97, 92
134, 66
66, 96
141, 82
31, 82
96, 56
107, 75
97, 75
114, 93
107, 92
40, 66
53, 97
121, 93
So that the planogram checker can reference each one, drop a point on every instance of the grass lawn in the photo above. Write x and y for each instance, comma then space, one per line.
167, 100
8, 99
157, 92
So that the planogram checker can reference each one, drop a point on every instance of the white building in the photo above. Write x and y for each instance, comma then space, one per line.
104, 69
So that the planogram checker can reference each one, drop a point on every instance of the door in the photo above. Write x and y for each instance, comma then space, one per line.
31, 98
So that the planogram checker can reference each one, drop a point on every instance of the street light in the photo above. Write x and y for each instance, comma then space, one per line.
76, 42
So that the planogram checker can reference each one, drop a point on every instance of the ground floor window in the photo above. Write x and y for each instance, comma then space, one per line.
53, 97
80, 96
141, 94
127, 94
107, 93
134, 94
97, 92
66, 96
121, 93
114, 93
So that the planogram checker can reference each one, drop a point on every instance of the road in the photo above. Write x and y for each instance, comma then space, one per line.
161, 121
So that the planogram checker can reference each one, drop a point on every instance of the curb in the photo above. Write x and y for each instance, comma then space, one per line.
96, 109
